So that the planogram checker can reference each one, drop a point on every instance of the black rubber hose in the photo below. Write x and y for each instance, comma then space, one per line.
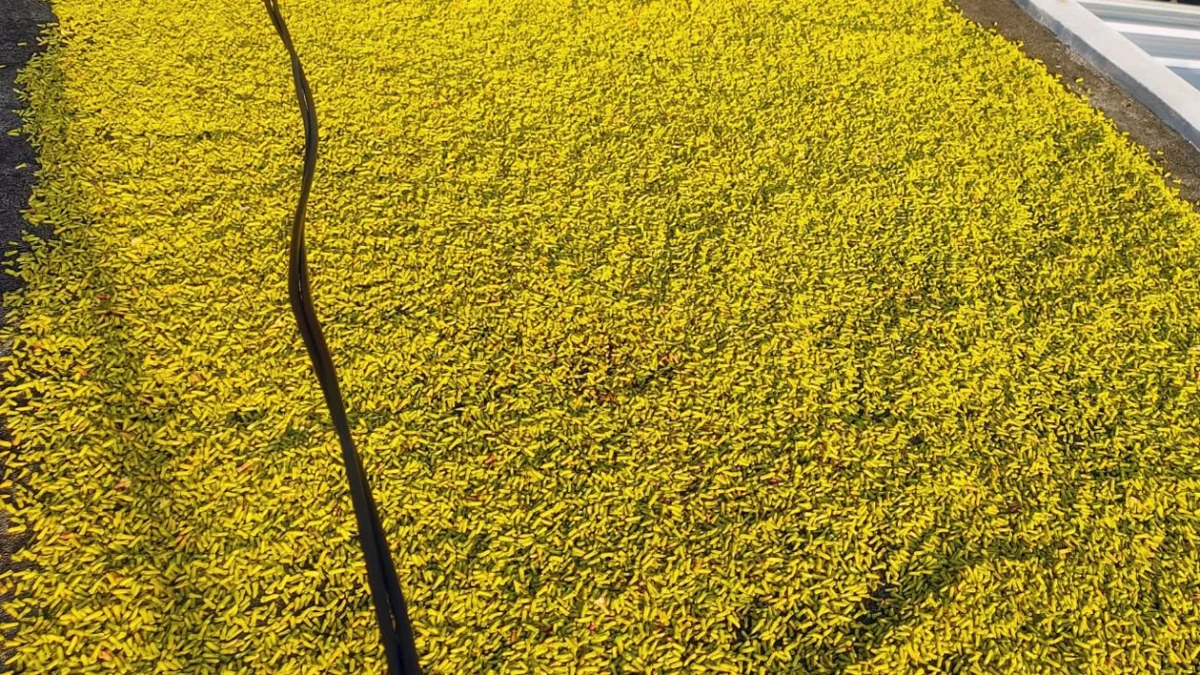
395, 631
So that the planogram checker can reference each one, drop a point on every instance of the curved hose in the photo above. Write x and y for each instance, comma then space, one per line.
390, 611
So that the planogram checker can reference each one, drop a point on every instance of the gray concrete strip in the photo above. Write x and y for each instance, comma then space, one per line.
1145, 13
1165, 32
1165, 47
1189, 75
1164, 92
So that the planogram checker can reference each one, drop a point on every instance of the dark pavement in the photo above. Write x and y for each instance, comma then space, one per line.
19, 21
19, 27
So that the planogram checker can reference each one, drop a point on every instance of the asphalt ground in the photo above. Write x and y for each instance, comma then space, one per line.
19, 26
20, 22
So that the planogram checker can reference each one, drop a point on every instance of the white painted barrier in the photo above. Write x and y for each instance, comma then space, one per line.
1166, 94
